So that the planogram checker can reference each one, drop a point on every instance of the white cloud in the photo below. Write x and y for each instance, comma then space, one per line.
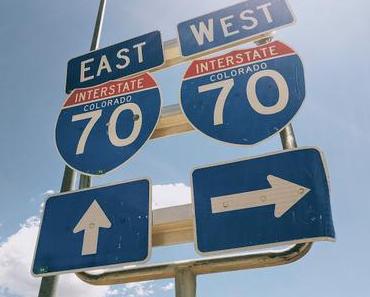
170, 195
15, 264
43, 196
168, 287
141, 289
16, 254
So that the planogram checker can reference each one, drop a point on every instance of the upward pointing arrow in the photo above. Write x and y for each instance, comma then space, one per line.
283, 194
93, 219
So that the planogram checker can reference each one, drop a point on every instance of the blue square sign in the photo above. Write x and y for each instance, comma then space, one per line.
126, 58
266, 201
237, 22
95, 228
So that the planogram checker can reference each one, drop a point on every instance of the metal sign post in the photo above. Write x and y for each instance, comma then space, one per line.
49, 284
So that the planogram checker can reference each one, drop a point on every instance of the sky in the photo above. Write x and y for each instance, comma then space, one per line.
39, 37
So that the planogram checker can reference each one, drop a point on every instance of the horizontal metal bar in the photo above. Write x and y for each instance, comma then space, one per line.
171, 122
173, 225
198, 267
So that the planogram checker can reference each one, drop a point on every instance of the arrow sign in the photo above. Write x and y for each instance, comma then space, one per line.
271, 200
125, 239
283, 194
93, 219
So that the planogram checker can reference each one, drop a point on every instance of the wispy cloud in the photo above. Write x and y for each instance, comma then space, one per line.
15, 264
42, 196
142, 289
170, 286
17, 250
170, 195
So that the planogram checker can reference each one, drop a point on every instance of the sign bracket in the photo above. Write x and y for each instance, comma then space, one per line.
172, 122
198, 267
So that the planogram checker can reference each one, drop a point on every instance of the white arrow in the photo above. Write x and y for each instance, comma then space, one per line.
93, 219
283, 194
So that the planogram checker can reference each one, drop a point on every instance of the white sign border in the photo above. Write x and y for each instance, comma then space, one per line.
112, 266
263, 246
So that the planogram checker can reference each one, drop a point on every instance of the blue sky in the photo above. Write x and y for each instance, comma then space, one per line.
39, 37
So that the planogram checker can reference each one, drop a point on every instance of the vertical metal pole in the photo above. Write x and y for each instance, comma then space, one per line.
98, 26
185, 279
185, 283
49, 284
287, 136
85, 180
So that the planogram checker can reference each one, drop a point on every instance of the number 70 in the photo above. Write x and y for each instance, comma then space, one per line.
112, 126
227, 85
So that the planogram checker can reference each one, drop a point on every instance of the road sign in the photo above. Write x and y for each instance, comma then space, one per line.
95, 228
238, 22
125, 58
245, 96
271, 200
100, 128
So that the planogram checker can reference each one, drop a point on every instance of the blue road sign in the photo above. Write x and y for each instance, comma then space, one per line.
100, 128
245, 96
271, 200
125, 58
95, 228
238, 22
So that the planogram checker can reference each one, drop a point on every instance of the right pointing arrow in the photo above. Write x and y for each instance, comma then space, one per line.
93, 219
283, 194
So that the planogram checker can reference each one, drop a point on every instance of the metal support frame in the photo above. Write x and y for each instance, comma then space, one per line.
198, 267
174, 225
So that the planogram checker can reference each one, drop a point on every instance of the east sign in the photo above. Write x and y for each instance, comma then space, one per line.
122, 59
